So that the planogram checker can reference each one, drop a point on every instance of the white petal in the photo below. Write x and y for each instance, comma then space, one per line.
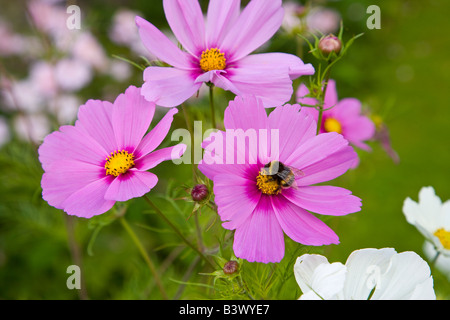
304, 269
364, 270
319, 279
430, 204
328, 280
407, 277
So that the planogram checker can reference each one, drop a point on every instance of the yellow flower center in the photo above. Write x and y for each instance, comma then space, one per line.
119, 162
332, 125
212, 59
268, 184
444, 237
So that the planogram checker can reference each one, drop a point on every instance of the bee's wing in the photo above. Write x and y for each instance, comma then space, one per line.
294, 185
297, 172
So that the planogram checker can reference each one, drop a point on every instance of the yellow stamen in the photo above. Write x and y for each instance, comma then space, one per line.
268, 184
444, 237
332, 125
212, 59
119, 162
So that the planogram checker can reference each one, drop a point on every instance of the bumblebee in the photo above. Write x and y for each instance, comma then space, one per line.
283, 174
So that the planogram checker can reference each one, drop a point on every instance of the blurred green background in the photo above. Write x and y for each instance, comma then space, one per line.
400, 72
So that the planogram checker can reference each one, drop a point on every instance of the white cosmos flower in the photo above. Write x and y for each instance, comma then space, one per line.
376, 274
431, 217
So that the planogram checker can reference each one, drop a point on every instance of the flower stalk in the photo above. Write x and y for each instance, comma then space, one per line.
144, 254
178, 232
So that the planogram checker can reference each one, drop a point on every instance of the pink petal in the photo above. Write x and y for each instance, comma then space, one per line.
218, 78
324, 199
221, 16
168, 87
65, 177
300, 225
348, 108
131, 118
160, 46
95, 118
257, 23
236, 198
331, 97
154, 138
154, 158
294, 127
70, 143
359, 130
89, 200
185, 18
293, 65
224, 155
272, 86
245, 112
322, 158
260, 238
132, 184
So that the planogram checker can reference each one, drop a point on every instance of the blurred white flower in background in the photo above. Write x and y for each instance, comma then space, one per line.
441, 262
431, 217
375, 274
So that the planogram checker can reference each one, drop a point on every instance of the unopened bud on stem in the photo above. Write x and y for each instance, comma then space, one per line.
231, 267
199, 192
330, 44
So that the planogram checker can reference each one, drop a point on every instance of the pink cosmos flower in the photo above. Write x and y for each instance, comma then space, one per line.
105, 156
217, 51
257, 204
344, 117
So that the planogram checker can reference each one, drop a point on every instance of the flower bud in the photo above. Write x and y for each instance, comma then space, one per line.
199, 192
231, 267
330, 44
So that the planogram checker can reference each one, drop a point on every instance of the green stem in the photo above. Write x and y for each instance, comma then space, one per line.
144, 254
435, 257
211, 103
174, 228
191, 132
322, 102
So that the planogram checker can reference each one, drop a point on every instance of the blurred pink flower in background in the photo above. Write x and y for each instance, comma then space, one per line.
342, 116
309, 19
124, 31
10, 43
87, 48
64, 107
42, 75
72, 74
48, 18
31, 127
323, 20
